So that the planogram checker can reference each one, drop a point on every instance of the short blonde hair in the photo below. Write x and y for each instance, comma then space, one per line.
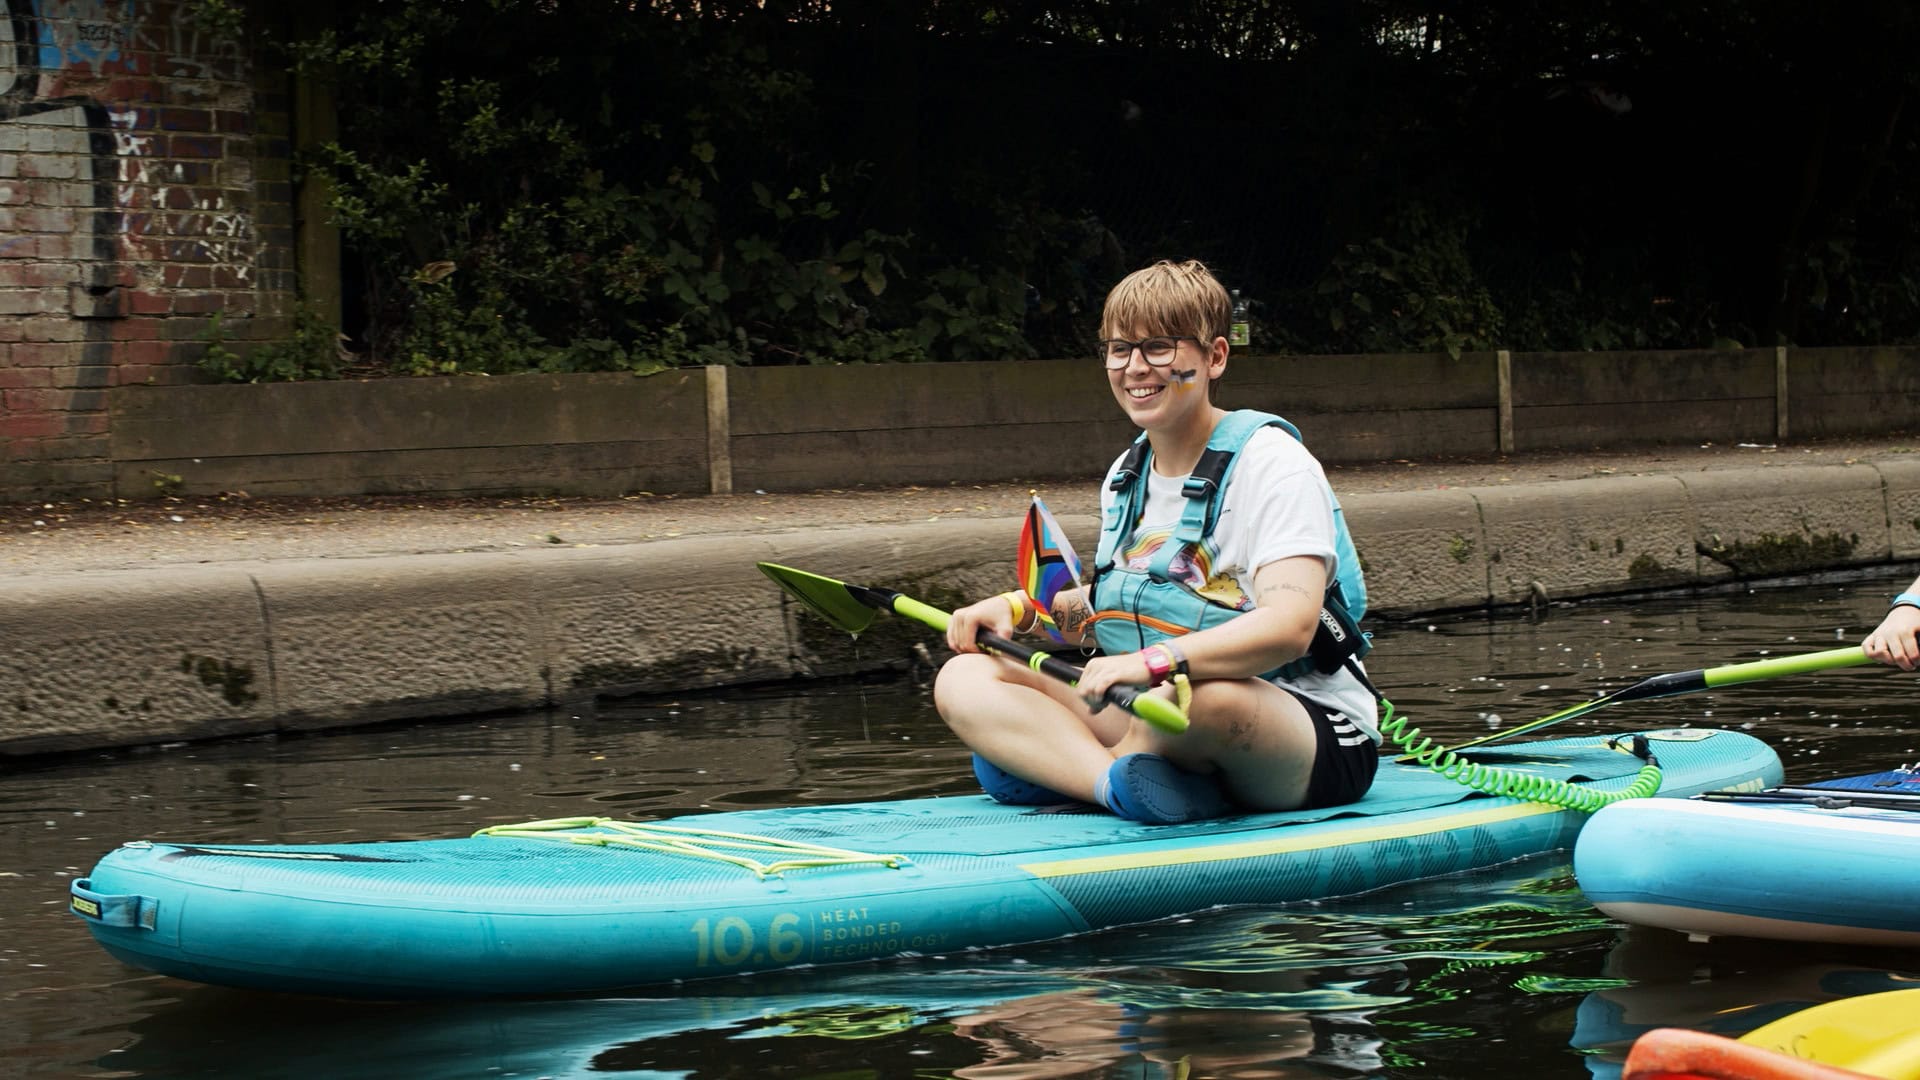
1172, 299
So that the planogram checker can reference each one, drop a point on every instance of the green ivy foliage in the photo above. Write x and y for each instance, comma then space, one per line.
309, 351
618, 191
1412, 290
567, 185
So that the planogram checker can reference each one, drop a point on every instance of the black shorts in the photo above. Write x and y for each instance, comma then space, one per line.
1344, 758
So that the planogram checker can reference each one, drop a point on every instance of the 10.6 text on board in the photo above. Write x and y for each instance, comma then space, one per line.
832, 934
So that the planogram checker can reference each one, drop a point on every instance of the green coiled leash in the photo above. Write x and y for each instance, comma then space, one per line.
1514, 784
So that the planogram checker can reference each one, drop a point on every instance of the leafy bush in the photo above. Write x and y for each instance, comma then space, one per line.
1412, 290
501, 226
556, 185
310, 351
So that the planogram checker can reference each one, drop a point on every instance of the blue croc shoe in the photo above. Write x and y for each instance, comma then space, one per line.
1007, 788
1151, 789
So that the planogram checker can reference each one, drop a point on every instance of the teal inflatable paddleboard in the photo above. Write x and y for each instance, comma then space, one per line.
1805, 863
594, 905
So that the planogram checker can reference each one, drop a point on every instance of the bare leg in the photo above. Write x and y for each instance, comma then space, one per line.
1030, 725
1256, 735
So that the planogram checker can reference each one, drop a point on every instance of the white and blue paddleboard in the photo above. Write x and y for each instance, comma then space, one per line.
597, 905
1831, 862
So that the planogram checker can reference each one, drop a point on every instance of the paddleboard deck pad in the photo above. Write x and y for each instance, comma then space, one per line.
1804, 863
600, 905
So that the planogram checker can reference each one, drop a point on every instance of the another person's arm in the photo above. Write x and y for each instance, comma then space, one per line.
1896, 640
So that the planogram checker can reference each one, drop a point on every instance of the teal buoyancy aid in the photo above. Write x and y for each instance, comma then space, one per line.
1135, 608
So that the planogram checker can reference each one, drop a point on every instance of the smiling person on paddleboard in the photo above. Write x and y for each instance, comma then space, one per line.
1224, 569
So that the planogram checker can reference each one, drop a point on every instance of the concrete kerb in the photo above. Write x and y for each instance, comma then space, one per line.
1901, 478
103, 658
1421, 550
367, 640
109, 659
1549, 541
1789, 520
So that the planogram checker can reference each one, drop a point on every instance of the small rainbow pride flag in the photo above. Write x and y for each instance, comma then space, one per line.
1045, 562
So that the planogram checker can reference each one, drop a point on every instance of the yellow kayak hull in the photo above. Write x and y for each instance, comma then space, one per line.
1874, 1035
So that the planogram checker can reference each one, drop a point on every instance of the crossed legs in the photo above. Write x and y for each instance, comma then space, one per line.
1254, 735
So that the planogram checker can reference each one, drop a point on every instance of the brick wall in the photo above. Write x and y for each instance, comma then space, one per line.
144, 186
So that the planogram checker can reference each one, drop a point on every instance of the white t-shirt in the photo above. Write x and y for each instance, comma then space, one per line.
1275, 507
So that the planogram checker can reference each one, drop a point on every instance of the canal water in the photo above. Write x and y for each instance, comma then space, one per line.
1507, 971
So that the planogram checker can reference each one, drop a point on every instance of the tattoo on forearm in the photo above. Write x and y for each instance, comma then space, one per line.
1071, 615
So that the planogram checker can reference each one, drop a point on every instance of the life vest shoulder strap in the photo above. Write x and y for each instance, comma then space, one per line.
1204, 487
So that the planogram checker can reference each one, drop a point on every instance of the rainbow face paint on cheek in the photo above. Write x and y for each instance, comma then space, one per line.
1184, 380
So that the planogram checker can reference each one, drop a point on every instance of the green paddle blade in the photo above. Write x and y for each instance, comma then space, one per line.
835, 601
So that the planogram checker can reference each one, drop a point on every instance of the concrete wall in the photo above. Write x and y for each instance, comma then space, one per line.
584, 433
1375, 408
120, 657
1577, 400
1852, 391
144, 185
804, 428
809, 428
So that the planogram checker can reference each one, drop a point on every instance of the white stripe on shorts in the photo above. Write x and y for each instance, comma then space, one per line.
1347, 733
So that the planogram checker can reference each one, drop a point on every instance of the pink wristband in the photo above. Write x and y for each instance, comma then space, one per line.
1159, 664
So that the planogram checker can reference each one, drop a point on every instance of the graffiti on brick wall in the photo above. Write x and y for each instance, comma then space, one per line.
117, 197
147, 94
56, 173
183, 50
171, 210
82, 35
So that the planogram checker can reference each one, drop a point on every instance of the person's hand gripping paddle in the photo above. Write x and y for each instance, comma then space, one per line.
852, 607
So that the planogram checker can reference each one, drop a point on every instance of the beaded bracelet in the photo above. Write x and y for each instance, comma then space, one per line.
1906, 599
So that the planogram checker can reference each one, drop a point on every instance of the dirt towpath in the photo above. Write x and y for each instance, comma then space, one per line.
78, 535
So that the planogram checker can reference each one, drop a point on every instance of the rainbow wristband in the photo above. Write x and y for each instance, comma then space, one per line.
1906, 599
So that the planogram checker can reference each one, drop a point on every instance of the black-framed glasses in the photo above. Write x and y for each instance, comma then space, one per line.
1118, 352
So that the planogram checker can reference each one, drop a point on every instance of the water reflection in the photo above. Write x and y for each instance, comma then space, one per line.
1506, 971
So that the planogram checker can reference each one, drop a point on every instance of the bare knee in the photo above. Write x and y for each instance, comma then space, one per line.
1243, 717
960, 686
1223, 711
963, 674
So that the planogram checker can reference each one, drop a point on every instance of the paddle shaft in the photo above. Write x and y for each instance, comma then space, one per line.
1687, 682
1803, 664
1826, 800
1156, 711
850, 608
